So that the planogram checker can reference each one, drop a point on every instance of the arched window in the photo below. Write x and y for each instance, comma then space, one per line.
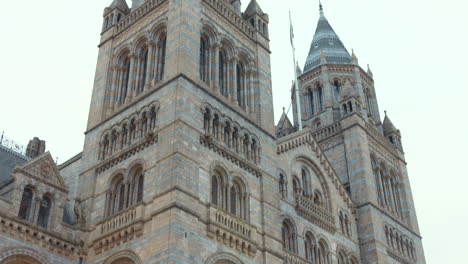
378, 181
218, 190
341, 217
144, 124
289, 236
320, 98
222, 72
124, 135
132, 131
235, 140
125, 79
318, 198
323, 255
141, 66
44, 211
283, 186
336, 91
310, 247
305, 183
121, 191
238, 199
350, 106
204, 58
296, 186
214, 190
153, 118
311, 101
227, 132
207, 121
162, 56
26, 204
140, 179
240, 85
114, 143
347, 225
341, 258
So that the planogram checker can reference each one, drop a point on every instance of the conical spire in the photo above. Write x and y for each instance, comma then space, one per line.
387, 125
326, 41
298, 69
252, 9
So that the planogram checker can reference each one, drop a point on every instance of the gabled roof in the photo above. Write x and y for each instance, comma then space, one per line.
252, 9
44, 168
326, 41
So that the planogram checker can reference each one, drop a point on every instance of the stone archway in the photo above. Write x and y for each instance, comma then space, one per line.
21, 255
20, 259
123, 260
223, 258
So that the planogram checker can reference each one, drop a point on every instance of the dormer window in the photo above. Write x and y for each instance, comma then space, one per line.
331, 42
316, 45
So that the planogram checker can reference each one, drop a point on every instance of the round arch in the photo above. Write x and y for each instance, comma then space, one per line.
21, 255
124, 257
223, 258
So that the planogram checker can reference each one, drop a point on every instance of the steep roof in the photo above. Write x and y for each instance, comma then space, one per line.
387, 125
284, 123
119, 4
253, 8
8, 161
326, 41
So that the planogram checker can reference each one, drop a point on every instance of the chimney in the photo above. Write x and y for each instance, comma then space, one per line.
35, 147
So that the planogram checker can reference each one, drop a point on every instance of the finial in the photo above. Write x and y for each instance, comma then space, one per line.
385, 111
320, 7
369, 71
354, 57
284, 109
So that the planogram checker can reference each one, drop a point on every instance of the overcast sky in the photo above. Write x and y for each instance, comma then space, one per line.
416, 49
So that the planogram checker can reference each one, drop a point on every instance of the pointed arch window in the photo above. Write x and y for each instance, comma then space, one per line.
368, 102
26, 204
310, 247
44, 212
305, 188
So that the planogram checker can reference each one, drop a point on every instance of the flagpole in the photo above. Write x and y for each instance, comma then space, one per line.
296, 86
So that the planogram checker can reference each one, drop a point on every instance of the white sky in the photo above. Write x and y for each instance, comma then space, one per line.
417, 51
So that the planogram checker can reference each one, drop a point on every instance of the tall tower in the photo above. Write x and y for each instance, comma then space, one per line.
182, 94
339, 104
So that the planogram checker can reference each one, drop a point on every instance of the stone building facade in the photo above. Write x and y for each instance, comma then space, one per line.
182, 162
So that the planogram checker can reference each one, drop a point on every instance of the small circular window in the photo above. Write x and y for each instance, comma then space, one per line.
331, 42
316, 45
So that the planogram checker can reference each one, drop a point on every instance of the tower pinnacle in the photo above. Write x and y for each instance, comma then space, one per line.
321, 8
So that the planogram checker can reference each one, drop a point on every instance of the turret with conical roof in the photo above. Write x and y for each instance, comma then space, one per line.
391, 132
327, 41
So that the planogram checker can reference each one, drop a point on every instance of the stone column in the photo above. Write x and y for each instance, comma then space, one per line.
233, 81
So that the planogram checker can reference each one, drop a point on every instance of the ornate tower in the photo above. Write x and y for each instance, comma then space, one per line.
339, 105
179, 133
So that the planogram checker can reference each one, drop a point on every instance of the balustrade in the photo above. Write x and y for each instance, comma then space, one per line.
315, 213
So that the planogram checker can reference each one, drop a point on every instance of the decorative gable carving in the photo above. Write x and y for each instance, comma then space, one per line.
43, 168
